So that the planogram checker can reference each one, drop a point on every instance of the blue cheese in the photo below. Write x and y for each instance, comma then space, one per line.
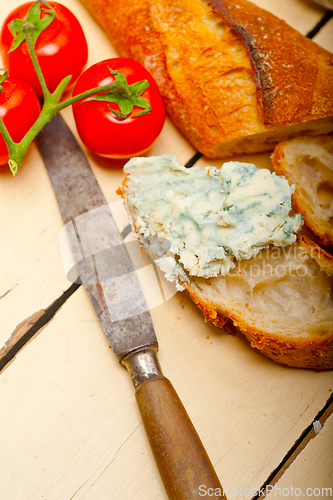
208, 217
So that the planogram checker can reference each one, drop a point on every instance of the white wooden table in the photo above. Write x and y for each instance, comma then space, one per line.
70, 428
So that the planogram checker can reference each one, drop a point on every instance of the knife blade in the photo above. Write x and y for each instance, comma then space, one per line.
108, 275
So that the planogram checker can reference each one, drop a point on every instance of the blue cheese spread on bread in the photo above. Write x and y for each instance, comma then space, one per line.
208, 217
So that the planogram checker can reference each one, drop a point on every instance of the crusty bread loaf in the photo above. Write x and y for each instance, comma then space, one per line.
235, 78
281, 299
307, 162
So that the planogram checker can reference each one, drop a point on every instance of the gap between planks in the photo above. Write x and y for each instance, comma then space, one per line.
321, 23
32, 326
309, 433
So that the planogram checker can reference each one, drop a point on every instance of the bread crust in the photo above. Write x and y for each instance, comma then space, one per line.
226, 82
291, 84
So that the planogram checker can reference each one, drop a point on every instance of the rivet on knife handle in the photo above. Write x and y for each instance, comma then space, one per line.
180, 456
112, 284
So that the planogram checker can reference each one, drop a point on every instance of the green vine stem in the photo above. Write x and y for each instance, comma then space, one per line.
51, 105
27, 30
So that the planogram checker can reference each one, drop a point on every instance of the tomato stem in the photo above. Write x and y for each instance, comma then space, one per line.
5, 134
112, 87
3, 77
27, 29
61, 88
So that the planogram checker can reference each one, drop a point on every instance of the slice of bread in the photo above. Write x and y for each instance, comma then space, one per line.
235, 79
307, 162
281, 299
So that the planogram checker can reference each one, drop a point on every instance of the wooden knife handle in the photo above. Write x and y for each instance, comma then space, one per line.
181, 458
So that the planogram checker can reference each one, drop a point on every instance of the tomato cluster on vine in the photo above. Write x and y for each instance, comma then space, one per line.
44, 50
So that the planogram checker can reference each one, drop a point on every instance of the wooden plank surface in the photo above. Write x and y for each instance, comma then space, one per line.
69, 423
28, 272
69, 408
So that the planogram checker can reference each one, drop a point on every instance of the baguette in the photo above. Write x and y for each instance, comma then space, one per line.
307, 162
235, 79
281, 298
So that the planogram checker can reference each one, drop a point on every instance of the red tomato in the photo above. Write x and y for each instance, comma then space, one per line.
61, 49
103, 132
19, 109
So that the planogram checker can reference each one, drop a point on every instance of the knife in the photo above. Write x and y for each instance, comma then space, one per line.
109, 277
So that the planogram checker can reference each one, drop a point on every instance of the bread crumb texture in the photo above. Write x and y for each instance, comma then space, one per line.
282, 300
307, 162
